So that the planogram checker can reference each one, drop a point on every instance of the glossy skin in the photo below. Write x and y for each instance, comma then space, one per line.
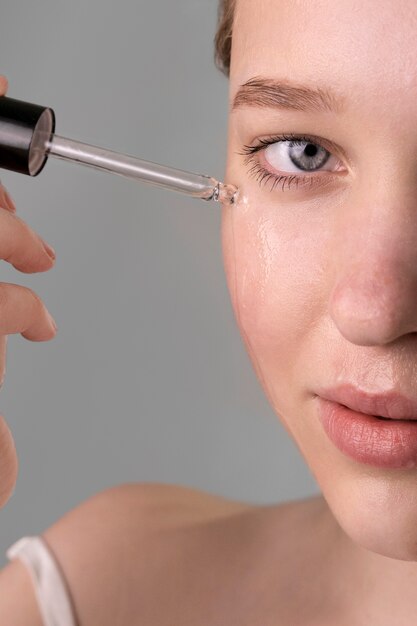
324, 280
21, 310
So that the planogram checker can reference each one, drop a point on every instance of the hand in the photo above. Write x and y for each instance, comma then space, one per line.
21, 310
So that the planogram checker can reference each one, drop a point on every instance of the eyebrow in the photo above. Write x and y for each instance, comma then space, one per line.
283, 94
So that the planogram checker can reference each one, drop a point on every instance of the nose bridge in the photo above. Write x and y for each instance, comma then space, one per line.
374, 295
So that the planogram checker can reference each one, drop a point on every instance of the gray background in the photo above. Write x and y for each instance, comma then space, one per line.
147, 379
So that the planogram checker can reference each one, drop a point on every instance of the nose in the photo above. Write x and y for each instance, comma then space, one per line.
374, 296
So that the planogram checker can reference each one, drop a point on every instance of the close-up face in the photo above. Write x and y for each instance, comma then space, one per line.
320, 250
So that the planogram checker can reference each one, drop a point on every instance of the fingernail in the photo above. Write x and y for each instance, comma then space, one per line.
53, 322
49, 251
10, 201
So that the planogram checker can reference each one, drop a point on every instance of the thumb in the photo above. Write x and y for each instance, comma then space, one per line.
9, 464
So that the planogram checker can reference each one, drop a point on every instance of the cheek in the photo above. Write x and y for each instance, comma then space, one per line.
274, 268
271, 269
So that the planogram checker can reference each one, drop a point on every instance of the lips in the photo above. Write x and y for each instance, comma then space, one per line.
388, 405
388, 444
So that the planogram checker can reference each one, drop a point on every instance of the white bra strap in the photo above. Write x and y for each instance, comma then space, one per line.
51, 591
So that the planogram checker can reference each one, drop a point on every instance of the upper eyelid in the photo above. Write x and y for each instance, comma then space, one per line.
267, 140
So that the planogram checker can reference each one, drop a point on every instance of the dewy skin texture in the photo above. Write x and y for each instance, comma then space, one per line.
320, 249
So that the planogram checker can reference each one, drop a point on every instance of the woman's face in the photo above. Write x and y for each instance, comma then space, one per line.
323, 272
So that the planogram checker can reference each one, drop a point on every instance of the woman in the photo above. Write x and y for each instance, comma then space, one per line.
320, 256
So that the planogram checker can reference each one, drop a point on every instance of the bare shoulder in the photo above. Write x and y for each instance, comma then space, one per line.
158, 553
205, 555
136, 543
162, 554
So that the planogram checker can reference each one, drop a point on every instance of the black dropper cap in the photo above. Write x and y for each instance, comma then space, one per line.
24, 130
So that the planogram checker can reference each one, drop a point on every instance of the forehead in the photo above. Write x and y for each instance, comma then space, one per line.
349, 44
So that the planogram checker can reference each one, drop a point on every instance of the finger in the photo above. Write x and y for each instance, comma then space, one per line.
6, 201
8, 463
22, 311
21, 246
4, 85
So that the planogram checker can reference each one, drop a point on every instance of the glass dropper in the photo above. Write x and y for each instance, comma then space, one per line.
196, 185
27, 139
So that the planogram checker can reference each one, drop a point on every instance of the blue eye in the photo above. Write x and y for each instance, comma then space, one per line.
302, 155
287, 156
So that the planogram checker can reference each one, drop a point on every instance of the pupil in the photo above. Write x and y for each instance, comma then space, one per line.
310, 150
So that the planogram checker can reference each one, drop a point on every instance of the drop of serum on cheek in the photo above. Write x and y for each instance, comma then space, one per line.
233, 197
227, 194
237, 198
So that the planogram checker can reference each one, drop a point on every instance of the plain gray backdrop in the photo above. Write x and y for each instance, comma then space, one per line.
147, 379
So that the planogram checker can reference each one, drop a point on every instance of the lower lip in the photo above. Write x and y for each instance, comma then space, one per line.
365, 438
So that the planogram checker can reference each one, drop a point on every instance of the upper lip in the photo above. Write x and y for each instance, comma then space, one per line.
389, 404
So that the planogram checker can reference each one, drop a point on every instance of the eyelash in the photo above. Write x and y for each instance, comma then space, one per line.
263, 176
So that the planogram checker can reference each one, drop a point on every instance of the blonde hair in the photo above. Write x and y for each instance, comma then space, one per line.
223, 38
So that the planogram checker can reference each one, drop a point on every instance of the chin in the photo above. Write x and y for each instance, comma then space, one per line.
378, 512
